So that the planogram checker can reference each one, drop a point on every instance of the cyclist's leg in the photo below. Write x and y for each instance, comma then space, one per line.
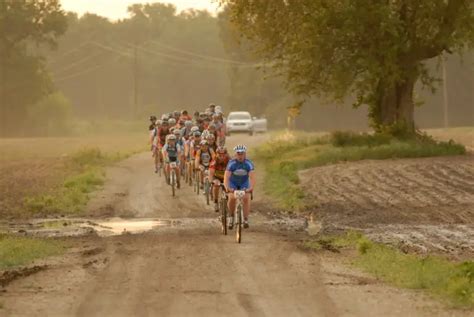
246, 206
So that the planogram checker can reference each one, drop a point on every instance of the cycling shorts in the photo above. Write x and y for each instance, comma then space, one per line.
243, 186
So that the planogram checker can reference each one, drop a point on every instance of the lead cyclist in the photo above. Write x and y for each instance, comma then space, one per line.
239, 175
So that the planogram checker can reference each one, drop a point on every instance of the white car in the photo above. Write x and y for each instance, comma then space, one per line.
259, 124
239, 121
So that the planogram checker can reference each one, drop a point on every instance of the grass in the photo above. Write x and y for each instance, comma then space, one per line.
16, 251
71, 197
288, 153
453, 282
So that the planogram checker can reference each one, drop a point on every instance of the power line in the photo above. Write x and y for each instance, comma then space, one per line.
208, 57
85, 59
88, 70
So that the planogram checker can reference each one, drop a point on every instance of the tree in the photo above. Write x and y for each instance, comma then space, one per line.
24, 26
373, 50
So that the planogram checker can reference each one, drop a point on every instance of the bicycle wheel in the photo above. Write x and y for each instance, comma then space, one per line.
198, 181
207, 190
238, 231
173, 182
223, 206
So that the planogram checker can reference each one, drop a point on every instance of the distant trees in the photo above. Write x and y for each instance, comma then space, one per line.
373, 50
25, 25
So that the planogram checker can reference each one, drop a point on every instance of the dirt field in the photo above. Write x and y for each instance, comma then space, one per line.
423, 204
185, 266
31, 166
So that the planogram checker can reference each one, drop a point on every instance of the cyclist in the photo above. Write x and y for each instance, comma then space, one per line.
204, 156
172, 122
239, 175
211, 139
217, 171
171, 153
154, 145
185, 116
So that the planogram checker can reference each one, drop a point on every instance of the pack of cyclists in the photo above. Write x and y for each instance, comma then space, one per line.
197, 144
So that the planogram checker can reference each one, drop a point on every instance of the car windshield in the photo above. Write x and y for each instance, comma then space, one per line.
239, 116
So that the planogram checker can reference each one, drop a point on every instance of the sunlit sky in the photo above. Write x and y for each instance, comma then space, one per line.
116, 9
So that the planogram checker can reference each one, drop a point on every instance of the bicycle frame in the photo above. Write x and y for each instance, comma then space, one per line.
239, 213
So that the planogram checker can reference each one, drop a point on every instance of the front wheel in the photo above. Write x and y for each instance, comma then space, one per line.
173, 182
238, 231
207, 190
223, 207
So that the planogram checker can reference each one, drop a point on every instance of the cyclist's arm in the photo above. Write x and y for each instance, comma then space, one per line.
252, 180
197, 160
227, 175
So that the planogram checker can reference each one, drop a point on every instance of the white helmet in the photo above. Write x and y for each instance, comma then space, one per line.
240, 148
171, 137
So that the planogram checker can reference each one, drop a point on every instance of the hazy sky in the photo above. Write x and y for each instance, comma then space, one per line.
115, 9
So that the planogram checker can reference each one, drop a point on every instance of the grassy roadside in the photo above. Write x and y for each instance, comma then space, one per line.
288, 153
17, 251
87, 172
452, 282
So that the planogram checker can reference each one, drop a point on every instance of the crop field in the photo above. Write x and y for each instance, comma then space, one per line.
36, 166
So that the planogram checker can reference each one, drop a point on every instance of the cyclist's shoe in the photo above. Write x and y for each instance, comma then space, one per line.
216, 207
231, 223
246, 224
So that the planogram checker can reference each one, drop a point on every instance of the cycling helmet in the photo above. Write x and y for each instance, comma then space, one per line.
221, 150
171, 137
164, 117
240, 148
197, 134
164, 122
176, 132
184, 112
172, 121
218, 108
212, 126
188, 124
158, 122
194, 129
212, 105
176, 114
153, 118
204, 142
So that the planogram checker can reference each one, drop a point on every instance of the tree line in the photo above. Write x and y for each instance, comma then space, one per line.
263, 56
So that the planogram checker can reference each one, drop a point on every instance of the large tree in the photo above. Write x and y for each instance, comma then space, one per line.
24, 26
372, 50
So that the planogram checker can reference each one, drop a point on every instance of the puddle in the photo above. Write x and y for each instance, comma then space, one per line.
69, 227
116, 227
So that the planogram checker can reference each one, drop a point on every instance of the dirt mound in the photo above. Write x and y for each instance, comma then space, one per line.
395, 194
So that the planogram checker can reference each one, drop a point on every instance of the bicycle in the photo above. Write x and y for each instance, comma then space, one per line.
197, 180
207, 186
223, 207
173, 178
239, 214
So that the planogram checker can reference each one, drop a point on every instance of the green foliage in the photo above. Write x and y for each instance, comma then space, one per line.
16, 251
288, 153
323, 48
452, 282
51, 116
24, 80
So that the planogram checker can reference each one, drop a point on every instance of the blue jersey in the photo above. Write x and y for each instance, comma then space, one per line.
239, 178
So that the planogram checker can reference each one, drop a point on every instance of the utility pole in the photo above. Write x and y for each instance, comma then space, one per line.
135, 81
445, 95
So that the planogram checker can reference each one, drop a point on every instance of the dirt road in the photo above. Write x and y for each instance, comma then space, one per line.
190, 269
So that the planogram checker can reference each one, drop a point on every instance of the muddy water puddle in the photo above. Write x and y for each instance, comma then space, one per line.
118, 226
